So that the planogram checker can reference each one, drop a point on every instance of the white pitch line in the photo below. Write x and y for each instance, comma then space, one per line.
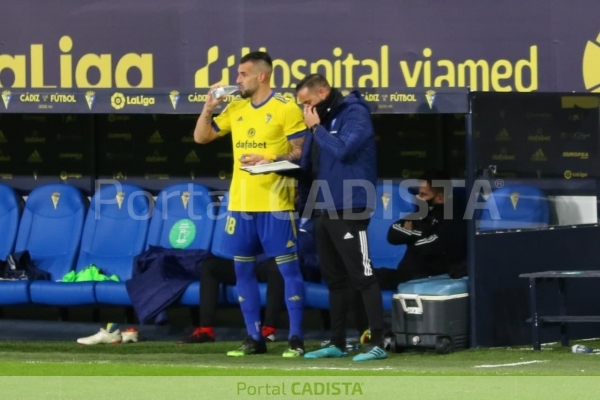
340, 369
511, 364
294, 368
242, 367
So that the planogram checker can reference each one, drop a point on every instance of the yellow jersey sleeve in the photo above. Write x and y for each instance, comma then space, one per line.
222, 122
293, 124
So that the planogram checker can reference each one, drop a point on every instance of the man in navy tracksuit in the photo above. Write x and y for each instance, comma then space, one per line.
343, 156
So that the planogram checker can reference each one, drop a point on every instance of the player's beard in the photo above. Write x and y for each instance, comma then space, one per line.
247, 92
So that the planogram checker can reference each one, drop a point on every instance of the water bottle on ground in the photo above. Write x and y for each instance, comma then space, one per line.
222, 91
581, 349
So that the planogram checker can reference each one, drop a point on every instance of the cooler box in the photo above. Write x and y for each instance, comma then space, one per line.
431, 312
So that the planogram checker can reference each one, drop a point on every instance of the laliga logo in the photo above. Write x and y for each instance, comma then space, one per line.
119, 100
591, 65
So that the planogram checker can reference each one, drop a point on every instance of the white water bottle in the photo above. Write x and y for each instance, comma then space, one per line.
222, 91
581, 349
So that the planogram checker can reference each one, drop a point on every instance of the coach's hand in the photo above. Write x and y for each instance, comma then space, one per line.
311, 118
252, 159
408, 225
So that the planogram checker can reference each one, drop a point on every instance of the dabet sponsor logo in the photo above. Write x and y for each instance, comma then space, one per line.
503, 155
539, 137
250, 144
118, 101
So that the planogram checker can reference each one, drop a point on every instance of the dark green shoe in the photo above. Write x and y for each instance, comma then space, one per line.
249, 347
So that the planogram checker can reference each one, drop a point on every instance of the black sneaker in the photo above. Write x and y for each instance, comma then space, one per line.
296, 348
249, 347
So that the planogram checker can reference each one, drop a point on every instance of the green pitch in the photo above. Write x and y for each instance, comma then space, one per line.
170, 359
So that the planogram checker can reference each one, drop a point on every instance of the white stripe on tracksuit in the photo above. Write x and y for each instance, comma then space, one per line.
427, 240
364, 248
399, 228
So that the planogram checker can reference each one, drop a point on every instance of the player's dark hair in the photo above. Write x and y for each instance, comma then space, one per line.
431, 176
257, 56
312, 81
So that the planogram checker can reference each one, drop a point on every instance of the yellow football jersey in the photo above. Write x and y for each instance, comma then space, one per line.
263, 129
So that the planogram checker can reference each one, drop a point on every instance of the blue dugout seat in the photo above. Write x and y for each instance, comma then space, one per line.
393, 203
115, 255
10, 215
219, 235
184, 218
519, 207
115, 232
50, 230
